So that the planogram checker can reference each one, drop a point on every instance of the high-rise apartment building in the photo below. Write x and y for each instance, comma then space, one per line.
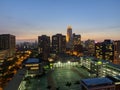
44, 46
7, 49
105, 50
99, 50
69, 37
108, 50
76, 39
58, 43
8, 42
77, 47
90, 46
117, 52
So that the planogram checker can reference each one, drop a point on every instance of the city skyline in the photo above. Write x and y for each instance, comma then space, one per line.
29, 19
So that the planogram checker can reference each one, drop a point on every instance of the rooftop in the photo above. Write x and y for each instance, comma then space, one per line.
97, 81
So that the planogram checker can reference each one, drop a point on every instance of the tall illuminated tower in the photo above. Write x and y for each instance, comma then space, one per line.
69, 37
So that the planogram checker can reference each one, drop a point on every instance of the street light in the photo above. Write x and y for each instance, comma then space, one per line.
99, 62
59, 62
68, 62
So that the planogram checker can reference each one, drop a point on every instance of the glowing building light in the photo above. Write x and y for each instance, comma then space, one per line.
68, 62
59, 62
99, 62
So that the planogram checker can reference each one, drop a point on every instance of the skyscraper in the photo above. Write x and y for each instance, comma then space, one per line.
69, 37
44, 46
58, 43
8, 42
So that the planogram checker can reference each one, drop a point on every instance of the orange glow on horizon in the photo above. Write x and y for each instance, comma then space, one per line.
101, 36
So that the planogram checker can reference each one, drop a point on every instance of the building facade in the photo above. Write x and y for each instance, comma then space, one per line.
108, 50
100, 68
99, 50
3, 59
33, 66
8, 42
7, 51
76, 39
44, 46
58, 43
117, 52
105, 50
90, 47
77, 47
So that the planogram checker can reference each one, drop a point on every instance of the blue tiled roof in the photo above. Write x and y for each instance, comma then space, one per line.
97, 81
33, 60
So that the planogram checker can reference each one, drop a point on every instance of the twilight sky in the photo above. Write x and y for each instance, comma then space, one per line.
93, 19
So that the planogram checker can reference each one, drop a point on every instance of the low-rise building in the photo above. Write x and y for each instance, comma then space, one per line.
112, 69
100, 68
33, 66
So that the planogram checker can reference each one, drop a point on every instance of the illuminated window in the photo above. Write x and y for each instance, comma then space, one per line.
34, 68
28, 65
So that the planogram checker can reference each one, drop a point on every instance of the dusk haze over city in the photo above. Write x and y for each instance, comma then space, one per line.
93, 19
59, 44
